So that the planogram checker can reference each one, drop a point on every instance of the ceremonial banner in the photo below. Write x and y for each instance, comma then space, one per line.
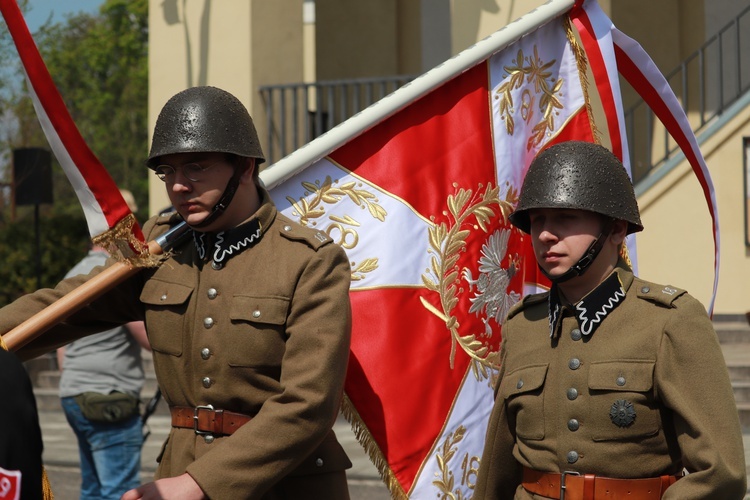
417, 189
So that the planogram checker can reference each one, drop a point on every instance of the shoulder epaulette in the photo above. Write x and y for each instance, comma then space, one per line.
527, 301
659, 294
297, 232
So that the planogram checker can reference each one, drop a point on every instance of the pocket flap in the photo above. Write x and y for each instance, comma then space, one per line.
269, 310
524, 379
622, 375
162, 293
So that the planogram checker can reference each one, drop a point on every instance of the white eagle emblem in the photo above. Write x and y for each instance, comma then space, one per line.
492, 283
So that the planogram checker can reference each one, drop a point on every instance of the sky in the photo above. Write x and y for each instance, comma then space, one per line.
40, 10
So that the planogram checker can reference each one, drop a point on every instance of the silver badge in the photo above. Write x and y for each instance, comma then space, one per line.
622, 413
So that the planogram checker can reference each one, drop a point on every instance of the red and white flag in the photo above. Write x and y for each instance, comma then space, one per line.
417, 189
110, 221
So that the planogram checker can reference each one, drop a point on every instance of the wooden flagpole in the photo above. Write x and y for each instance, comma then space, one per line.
56, 312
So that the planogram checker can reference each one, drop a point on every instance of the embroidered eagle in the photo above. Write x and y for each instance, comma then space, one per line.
492, 283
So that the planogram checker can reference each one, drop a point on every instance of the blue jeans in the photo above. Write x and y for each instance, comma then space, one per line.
110, 453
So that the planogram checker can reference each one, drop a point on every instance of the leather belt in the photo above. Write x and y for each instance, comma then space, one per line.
575, 486
206, 420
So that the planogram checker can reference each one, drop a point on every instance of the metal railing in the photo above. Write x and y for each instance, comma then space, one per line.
297, 113
706, 83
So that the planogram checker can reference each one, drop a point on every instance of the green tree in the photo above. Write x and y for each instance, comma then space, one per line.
100, 65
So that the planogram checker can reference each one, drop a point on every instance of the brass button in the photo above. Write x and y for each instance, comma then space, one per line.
208, 322
212, 293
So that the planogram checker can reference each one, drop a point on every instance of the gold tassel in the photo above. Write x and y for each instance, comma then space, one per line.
626, 256
120, 242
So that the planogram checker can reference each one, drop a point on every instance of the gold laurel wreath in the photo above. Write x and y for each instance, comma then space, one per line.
536, 72
446, 482
327, 193
446, 245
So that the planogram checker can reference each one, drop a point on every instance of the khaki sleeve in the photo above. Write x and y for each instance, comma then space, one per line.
693, 382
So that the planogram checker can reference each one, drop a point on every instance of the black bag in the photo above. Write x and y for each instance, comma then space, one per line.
111, 408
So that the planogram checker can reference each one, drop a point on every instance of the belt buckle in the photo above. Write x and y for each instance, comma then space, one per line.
562, 481
195, 419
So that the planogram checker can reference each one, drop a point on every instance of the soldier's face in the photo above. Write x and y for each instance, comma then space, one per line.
196, 182
560, 237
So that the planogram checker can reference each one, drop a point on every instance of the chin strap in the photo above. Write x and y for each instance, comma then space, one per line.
588, 257
225, 200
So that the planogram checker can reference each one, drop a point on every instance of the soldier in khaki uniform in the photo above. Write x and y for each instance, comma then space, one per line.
249, 320
610, 386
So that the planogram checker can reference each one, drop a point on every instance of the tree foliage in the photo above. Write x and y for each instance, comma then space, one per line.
99, 64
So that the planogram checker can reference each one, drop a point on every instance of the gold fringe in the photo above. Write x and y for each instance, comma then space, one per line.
371, 448
582, 64
120, 242
3, 344
46, 488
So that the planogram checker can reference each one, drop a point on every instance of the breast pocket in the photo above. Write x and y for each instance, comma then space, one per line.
166, 304
258, 331
523, 392
622, 402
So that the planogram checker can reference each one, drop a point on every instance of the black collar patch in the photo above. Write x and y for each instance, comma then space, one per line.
592, 309
226, 244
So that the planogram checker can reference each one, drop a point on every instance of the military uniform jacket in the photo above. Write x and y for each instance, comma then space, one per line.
628, 383
264, 333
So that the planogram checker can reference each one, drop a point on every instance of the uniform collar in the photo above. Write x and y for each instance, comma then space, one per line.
591, 310
221, 246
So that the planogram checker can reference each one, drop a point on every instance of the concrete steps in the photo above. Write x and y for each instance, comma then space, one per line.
734, 337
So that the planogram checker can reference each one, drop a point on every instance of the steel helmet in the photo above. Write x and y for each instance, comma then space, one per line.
205, 120
578, 175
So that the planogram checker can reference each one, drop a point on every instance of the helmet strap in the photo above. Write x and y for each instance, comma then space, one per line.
588, 257
225, 200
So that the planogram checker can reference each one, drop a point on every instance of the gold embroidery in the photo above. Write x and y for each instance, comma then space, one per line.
582, 64
340, 228
447, 242
469, 466
530, 70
